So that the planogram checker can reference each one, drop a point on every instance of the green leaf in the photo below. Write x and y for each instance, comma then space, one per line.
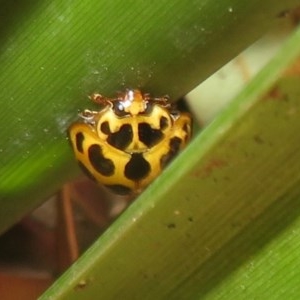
56, 53
220, 217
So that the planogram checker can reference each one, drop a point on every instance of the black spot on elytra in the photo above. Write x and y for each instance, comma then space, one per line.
163, 123
137, 168
86, 171
79, 141
119, 189
105, 128
174, 145
101, 164
148, 135
122, 138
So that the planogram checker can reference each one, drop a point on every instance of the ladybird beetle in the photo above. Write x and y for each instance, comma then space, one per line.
128, 142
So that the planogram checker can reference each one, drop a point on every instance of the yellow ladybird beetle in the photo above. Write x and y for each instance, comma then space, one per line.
128, 142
